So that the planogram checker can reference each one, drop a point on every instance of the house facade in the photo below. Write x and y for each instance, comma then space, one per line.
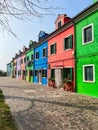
23, 63
18, 63
86, 30
40, 60
61, 52
29, 62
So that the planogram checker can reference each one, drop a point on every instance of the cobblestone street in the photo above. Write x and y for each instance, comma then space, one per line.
37, 107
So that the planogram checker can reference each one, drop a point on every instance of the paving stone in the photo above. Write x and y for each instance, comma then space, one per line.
38, 107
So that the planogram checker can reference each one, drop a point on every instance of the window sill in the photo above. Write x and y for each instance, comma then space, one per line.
89, 81
68, 49
87, 43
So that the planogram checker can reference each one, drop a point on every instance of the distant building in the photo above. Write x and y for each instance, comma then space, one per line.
8, 69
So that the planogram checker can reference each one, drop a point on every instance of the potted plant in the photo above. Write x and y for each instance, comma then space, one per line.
51, 82
67, 85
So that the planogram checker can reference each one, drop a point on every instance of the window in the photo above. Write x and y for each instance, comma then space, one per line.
52, 73
24, 60
44, 73
37, 55
59, 24
87, 34
68, 73
27, 58
32, 57
24, 72
31, 73
88, 73
44, 52
53, 49
68, 42
21, 61
36, 72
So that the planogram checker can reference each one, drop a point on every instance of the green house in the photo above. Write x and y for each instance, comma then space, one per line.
86, 39
29, 62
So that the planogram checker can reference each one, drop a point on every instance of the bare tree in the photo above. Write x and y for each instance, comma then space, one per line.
21, 9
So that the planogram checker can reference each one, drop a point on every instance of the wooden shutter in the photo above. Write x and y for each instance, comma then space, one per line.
71, 41
64, 73
65, 43
55, 48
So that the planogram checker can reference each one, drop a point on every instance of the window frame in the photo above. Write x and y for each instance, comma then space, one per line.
27, 59
93, 73
71, 44
44, 73
71, 73
36, 73
37, 52
32, 56
83, 37
55, 46
51, 73
59, 24
45, 48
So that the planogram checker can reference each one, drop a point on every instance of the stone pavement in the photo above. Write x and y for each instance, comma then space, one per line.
37, 107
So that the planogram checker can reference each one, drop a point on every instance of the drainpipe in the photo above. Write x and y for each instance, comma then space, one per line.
75, 66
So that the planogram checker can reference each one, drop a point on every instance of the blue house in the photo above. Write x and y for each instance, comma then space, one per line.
40, 60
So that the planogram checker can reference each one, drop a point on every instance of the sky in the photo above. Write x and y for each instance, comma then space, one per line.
29, 30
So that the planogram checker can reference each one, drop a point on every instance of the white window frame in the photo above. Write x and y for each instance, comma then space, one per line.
83, 43
93, 73
50, 48
45, 52
64, 42
35, 55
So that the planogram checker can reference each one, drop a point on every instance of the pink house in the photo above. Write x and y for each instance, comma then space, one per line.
61, 51
23, 63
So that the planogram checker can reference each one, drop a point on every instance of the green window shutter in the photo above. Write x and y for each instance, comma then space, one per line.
50, 49
55, 48
71, 74
65, 45
64, 73
71, 41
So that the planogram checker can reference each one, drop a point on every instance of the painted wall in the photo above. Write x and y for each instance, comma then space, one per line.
40, 63
22, 66
87, 54
62, 58
18, 67
29, 68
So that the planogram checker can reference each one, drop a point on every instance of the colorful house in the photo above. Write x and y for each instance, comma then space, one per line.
23, 63
86, 39
29, 61
8, 69
18, 63
61, 51
14, 66
40, 62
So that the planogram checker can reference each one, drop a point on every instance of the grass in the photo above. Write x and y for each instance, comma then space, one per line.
6, 120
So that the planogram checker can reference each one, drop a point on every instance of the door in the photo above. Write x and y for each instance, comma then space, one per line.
58, 77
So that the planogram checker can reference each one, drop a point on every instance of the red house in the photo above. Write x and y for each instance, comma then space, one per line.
61, 51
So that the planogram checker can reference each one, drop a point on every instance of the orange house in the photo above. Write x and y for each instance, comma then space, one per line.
61, 51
